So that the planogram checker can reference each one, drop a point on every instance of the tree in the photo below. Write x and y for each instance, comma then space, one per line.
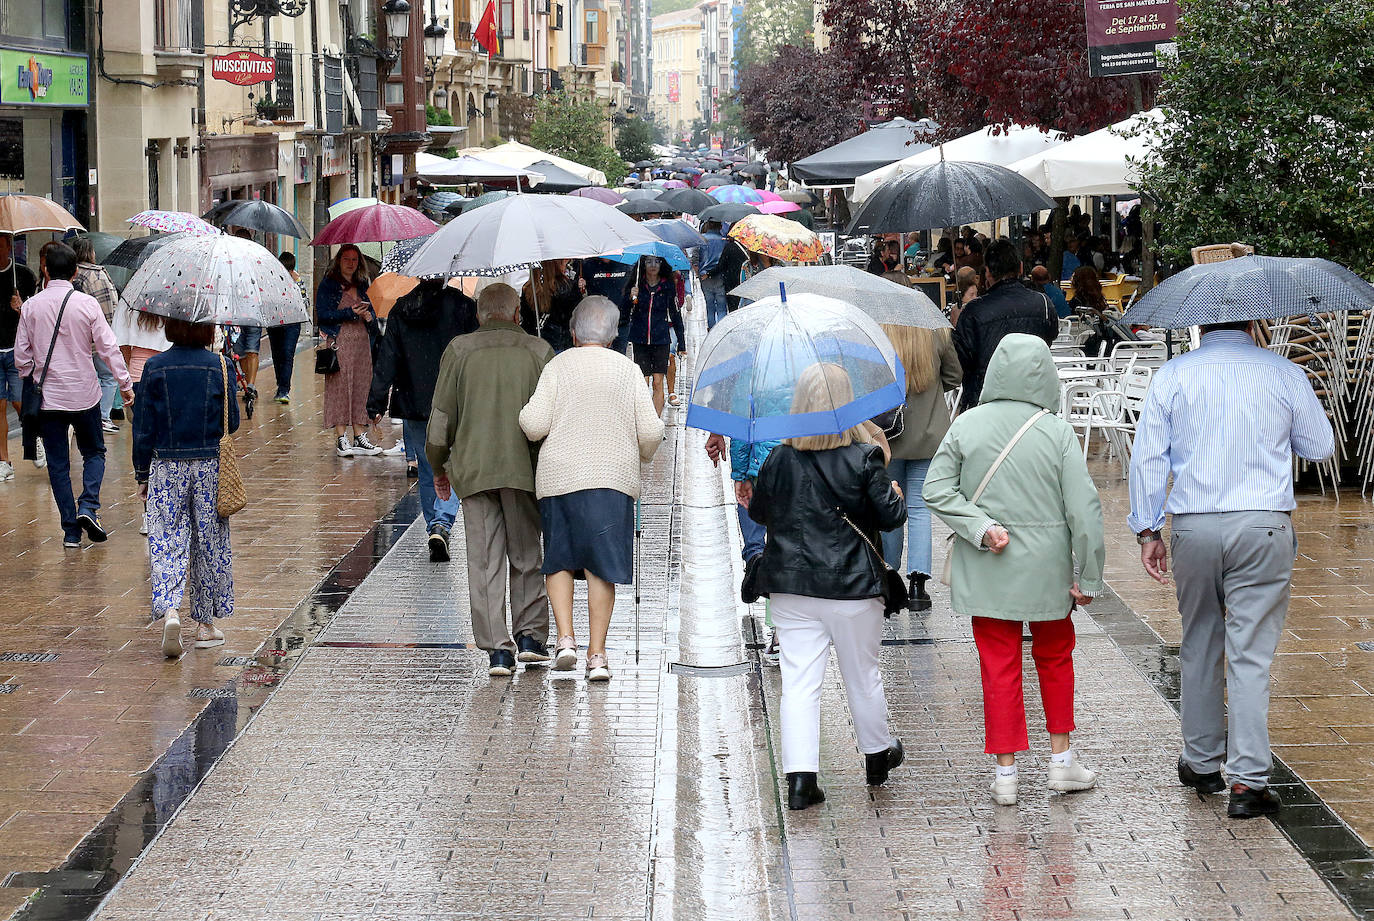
880, 41
780, 108
1268, 140
767, 27
636, 137
575, 128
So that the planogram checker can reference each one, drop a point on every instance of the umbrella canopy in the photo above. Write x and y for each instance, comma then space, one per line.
673, 255
645, 164
884, 301
104, 243
686, 201
344, 205
1251, 288
735, 194
396, 257
596, 193
711, 180
876, 147
173, 222
132, 253
644, 193
800, 196
472, 169
752, 360
379, 223
220, 279
678, 233
486, 198
988, 145
32, 214
753, 169
727, 214
947, 194
557, 179
778, 207
777, 237
522, 155
523, 229
641, 206
1105, 162
675, 184
765, 195
388, 288
439, 202
259, 215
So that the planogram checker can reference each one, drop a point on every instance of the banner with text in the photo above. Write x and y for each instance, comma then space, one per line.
1130, 36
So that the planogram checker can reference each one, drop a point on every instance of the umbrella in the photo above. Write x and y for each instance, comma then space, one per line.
778, 207
751, 361
778, 237
727, 214
644, 193
396, 257
993, 144
486, 198
173, 222
678, 233
344, 205
220, 279
524, 229
947, 194
132, 253
884, 301
1251, 288
32, 214
753, 169
710, 181
669, 253
596, 193
686, 201
767, 196
379, 223
260, 215
556, 178
104, 243
675, 184
641, 206
711, 164
388, 288
438, 202
800, 196
645, 164
735, 194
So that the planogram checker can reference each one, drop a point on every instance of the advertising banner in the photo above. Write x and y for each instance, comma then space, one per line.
674, 86
243, 68
37, 79
1129, 36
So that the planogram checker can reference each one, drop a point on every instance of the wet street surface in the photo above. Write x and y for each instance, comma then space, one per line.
384, 775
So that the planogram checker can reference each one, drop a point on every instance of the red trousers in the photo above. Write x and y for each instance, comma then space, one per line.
1004, 704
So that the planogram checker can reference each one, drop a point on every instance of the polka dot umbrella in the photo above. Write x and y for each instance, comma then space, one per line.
216, 279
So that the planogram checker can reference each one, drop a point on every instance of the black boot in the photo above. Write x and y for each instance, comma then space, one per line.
802, 791
918, 599
878, 764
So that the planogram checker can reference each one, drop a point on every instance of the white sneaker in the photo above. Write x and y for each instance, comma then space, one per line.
40, 459
6, 470
208, 636
1004, 790
143, 528
1071, 777
171, 635
363, 445
108, 427
343, 448
395, 450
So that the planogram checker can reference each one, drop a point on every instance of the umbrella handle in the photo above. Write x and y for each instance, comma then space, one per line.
782, 290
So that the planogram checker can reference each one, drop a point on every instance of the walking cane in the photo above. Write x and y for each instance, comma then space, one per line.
639, 531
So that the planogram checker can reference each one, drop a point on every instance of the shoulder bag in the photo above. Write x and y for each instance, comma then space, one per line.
327, 357
895, 595
31, 391
947, 571
230, 496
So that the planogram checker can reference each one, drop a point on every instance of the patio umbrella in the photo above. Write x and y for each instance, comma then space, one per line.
751, 361
396, 257
686, 201
379, 223
644, 193
777, 237
778, 207
597, 193
735, 194
678, 233
33, 214
884, 301
132, 253
1251, 288
641, 206
947, 194
727, 214
216, 279
525, 229
173, 222
260, 215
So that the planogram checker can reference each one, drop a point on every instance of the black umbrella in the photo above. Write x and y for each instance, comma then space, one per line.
800, 196
753, 169
258, 215
686, 201
948, 194
645, 164
711, 180
648, 194
727, 213
133, 252
641, 206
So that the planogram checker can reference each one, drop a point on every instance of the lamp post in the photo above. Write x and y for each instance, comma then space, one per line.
397, 16
435, 33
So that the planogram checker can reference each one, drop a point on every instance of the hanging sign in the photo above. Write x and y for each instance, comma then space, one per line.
243, 68
1130, 36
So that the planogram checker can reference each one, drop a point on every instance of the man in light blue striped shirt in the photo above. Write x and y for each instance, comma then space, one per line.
1225, 420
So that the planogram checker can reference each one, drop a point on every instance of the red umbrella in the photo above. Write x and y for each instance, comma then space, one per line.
379, 223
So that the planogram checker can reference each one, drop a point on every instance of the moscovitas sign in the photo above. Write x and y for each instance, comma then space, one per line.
243, 68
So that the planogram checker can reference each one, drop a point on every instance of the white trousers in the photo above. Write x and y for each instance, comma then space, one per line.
807, 628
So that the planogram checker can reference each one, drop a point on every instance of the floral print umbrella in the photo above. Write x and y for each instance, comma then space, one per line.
777, 237
219, 279
173, 222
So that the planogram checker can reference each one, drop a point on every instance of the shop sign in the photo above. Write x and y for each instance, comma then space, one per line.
1130, 36
28, 79
243, 68
335, 157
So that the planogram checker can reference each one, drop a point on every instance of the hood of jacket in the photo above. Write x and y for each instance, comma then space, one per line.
421, 306
1022, 370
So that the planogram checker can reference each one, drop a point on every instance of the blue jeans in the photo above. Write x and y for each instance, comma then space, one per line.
911, 475
109, 389
283, 340
90, 441
716, 306
754, 534
437, 512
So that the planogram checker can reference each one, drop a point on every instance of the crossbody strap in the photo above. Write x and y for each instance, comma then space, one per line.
53, 344
224, 366
987, 477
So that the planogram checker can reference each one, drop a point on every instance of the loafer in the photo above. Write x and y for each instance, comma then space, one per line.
502, 664
438, 545
877, 765
90, 523
1202, 783
531, 651
803, 791
1249, 803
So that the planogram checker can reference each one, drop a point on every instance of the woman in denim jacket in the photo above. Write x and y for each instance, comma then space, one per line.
177, 431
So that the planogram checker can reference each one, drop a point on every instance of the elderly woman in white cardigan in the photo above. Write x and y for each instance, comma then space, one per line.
597, 422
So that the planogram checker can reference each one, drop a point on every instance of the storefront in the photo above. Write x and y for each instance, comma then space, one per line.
239, 166
43, 145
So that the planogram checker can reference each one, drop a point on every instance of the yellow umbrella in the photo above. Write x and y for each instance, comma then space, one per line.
777, 237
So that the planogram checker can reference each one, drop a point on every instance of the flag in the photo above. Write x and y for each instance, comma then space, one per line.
486, 35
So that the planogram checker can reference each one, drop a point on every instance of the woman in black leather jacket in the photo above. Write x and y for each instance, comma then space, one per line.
824, 582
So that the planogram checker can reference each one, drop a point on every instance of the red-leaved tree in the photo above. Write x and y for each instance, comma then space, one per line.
882, 41
800, 102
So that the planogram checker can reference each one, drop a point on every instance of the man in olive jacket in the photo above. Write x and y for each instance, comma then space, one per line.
479, 453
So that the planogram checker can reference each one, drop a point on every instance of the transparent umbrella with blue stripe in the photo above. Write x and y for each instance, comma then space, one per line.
751, 361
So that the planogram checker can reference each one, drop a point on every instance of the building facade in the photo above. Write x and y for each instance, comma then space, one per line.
720, 21
675, 100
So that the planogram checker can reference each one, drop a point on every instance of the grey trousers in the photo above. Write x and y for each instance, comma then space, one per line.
1233, 571
502, 531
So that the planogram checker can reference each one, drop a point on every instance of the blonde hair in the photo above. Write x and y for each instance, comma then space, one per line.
919, 352
821, 388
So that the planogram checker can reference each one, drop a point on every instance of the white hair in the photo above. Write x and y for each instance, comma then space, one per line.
596, 320
498, 302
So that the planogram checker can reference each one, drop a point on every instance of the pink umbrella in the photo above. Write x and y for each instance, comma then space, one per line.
380, 223
765, 195
778, 207
596, 193
675, 184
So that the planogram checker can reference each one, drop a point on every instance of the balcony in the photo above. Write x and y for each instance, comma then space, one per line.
179, 26
592, 56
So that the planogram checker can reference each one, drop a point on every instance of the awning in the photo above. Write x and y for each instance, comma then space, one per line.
987, 145
876, 147
1105, 162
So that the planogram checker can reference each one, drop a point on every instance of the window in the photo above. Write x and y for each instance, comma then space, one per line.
395, 93
41, 21
507, 24
593, 34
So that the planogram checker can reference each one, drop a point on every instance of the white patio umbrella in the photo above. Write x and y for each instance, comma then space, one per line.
982, 146
522, 155
471, 169
1105, 162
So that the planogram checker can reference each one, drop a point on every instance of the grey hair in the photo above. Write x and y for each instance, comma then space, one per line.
498, 302
596, 320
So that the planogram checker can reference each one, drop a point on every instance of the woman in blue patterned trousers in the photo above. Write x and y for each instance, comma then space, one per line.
177, 431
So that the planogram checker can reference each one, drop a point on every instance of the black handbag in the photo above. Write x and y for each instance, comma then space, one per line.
327, 360
892, 422
748, 586
31, 391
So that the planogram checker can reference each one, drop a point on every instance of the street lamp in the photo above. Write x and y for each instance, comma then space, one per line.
434, 42
397, 15
441, 98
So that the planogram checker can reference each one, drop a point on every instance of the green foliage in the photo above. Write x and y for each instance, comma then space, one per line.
659, 7
435, 116
575, 128
1271, 131
766, 27
635, 137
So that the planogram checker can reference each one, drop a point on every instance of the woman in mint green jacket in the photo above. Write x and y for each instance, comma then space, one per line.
1016, 550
